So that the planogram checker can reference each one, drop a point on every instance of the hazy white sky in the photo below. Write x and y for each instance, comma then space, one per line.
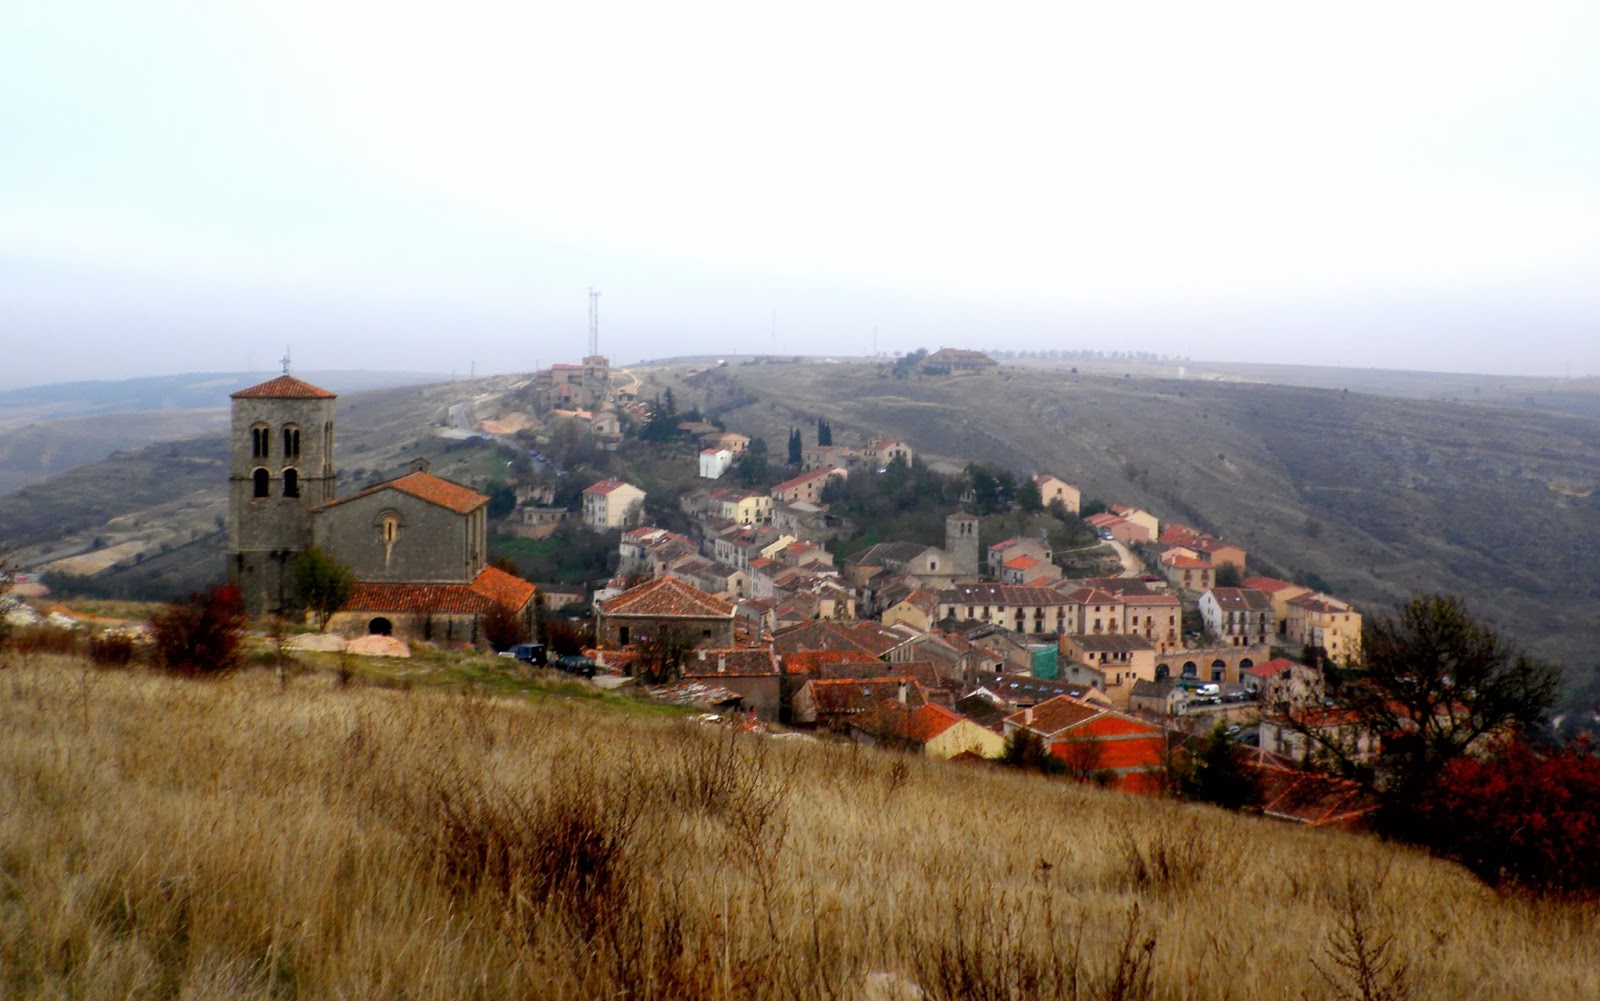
189, 186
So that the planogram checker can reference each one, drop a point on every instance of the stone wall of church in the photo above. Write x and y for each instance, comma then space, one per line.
390, 535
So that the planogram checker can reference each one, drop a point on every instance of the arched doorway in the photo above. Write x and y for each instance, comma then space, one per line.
1246, 664
1191, 669
380, 627
1218, 666
1163, 672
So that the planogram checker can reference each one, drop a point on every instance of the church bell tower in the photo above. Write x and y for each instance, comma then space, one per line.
281, 467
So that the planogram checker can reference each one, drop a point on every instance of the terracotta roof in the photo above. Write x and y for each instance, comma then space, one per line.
428, 487
1184, 562
854, 695
284, 387
1054, 715
1270, 585
1276, 665
999, 594
733, 662
667, 598
817, 661
805, 478
1093, 596
604, 487
821, 636
1311, 798
1241, 599
1109, 642
491, 587
1021, 563
918, 725
1320, 603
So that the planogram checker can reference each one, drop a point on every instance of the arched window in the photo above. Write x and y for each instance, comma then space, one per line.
291, 441
260, 440
261, 482
1163, 672
291, 483
391, 528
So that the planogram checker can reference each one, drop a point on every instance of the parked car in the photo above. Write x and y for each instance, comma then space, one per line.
572, 663
529, 653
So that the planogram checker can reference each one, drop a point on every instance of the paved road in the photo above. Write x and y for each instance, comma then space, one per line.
1132, 566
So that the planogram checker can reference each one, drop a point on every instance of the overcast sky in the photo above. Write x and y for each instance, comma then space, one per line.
190, 186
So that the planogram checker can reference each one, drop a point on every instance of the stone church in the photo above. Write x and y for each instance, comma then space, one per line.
417, 545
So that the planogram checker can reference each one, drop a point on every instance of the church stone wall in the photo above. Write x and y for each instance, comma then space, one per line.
390, 535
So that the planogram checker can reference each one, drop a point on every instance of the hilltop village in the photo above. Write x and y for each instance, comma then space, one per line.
849, 586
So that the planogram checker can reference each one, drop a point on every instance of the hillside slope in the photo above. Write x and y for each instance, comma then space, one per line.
1380, 496
235, 839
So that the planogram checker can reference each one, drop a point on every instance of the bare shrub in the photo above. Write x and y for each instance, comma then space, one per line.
561, 849
44, 638
1164, 865
1363, 960
992, 953
112, 649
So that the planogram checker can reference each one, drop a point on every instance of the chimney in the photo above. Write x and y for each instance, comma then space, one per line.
419, 465
722, 664
702, 654
901, 698
1027, 716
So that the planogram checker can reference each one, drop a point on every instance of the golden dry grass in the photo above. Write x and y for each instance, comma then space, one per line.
228, 839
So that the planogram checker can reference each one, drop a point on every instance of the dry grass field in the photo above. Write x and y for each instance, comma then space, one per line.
231, 839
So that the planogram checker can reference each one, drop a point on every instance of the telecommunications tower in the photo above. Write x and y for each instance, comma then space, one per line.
594, 321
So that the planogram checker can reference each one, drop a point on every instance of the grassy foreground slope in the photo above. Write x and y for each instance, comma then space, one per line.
230, 839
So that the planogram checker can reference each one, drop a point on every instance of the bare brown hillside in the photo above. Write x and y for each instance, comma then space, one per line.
1380, 496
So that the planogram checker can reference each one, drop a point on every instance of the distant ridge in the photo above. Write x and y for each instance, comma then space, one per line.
182, 391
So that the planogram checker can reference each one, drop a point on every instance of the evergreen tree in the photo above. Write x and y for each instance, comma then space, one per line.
322, 583
824, 432
796, 446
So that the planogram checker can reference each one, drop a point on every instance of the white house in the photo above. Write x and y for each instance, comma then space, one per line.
714, 462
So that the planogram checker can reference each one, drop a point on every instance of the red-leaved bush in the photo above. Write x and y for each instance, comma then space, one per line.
1523, 817
202, 634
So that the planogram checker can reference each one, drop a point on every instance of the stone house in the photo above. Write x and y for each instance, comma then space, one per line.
883, 451
1124, 659
1281, 592
612, 504
1188, 571
815, 457
928, 729
1140, 517
665, 602
1125, 752
1321, 620
807, 486
1238, 616
753, 672
1032, 610
1284, 682
746, 507
1002, 552
1053, 488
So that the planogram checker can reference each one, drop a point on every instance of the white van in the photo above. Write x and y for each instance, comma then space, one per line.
1208, 691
